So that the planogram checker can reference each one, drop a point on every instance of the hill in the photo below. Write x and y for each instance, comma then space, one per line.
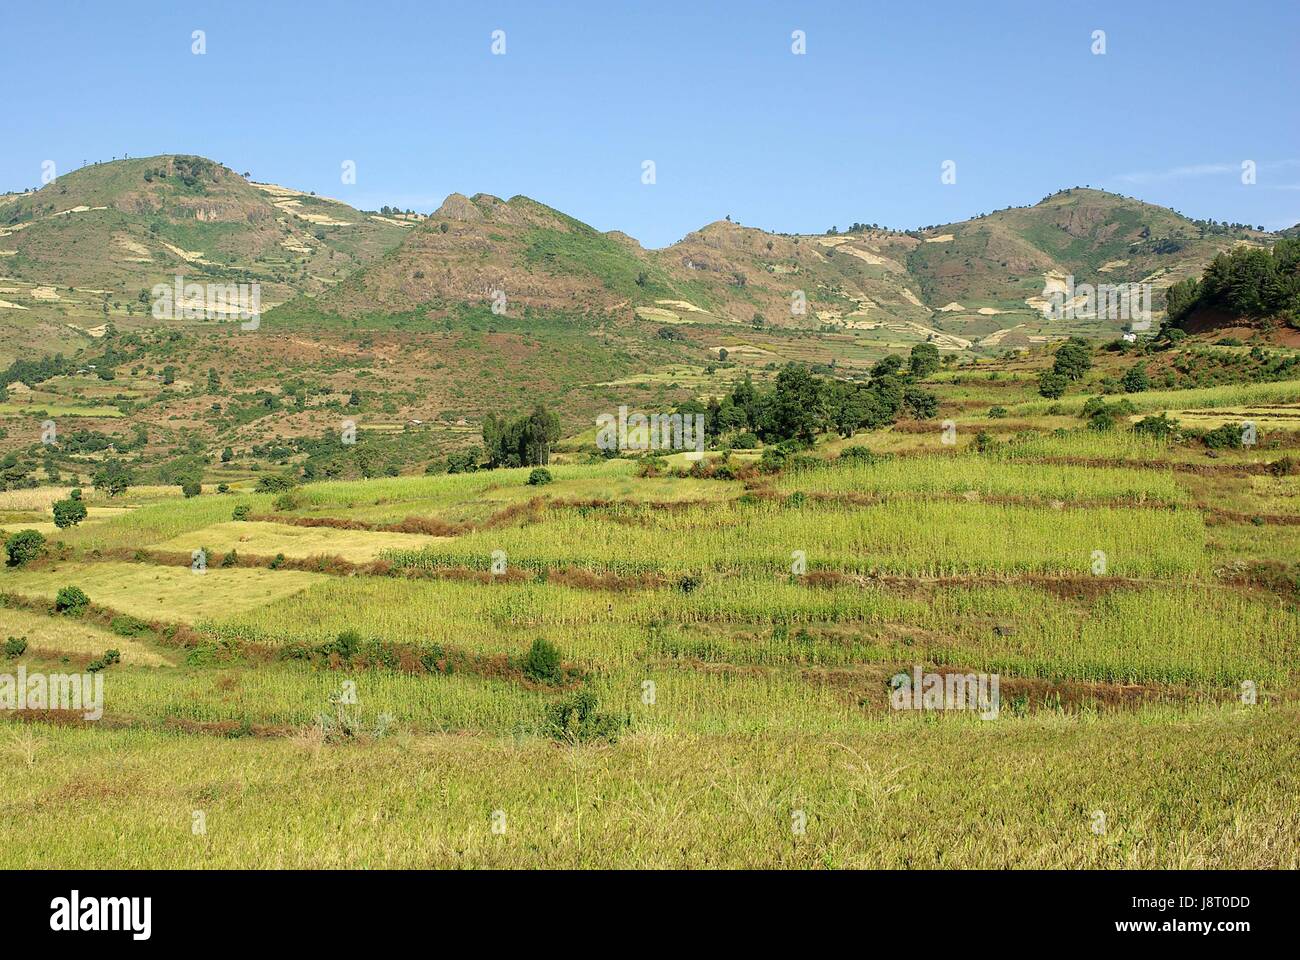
86, 248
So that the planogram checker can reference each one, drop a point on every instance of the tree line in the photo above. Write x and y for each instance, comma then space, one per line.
1248, 282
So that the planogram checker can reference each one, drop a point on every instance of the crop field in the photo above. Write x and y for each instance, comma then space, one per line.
361, 658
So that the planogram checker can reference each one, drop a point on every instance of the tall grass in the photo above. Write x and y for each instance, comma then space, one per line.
1228, 395
988, 477
907, 538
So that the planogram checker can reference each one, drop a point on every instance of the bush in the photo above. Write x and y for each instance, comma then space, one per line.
1288, 466
1225, 437
276, 483
69, 513
745, 441
240, 512
24, 546
997, 413
1052, 385
543, 662
71, 601
109, 658
15, 647
859, 454
347, 645
127, 626
539, 476
1136, 380
1161, 427
289, 500
575, 720
191, 488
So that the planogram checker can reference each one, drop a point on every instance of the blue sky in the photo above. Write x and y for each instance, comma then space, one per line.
855, 129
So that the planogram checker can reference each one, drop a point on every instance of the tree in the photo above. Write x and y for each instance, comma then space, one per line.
113, 478
1073, 359
1052, 385
1136, 379
923, 404
924, 360
525, 441
887, 366
191, 487
227, 455
795, 408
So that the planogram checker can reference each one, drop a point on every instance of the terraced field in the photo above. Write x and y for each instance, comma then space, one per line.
362, 658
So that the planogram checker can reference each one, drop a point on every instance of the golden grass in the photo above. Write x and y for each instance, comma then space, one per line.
898, 793
68, 636
265, 539
162, 593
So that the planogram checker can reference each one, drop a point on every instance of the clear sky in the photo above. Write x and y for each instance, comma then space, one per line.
736, 123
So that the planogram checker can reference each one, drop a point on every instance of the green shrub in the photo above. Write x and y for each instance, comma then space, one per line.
1161, 427
289, 500
109, 658
15, 647
276, 483
543, 662
24, 546
1052, 385
241, 512
71, 601
69, 513
191, 488
997, 413
539, 477
128, 626
347, 645
576, 720
1225, 437
859, 454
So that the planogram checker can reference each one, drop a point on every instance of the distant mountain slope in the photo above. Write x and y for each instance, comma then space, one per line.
81, 249
1098, 237
960, 284
473, 246
79, 252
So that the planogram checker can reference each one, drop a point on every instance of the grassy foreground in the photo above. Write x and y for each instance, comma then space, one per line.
359, 676
897, 794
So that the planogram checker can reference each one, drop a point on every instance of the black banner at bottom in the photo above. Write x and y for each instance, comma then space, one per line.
335, 909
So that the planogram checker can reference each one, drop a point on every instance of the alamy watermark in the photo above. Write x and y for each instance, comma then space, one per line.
74, 692
953, 691
208, 301
1104, 301
655, 431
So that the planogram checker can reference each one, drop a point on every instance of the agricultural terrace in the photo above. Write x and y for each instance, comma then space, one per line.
646, 666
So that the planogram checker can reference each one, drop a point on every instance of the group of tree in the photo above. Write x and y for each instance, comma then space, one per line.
522, 441
1248, 282
800, 404
32, 372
